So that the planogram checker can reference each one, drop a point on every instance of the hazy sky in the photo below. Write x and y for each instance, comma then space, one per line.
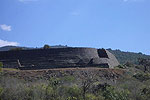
116, 24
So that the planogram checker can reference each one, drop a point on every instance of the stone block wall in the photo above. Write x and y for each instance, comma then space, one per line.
58, 57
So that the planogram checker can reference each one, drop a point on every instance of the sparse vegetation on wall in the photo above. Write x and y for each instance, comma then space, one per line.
46, 46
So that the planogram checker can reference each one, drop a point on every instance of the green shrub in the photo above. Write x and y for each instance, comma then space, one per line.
74, 91
52, 89
111, 94
72, 98
46, 46
68, 78
120, 66
129, 64
142, 76
146, 93
90, 97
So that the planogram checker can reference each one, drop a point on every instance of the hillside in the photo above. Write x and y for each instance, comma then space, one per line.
124, 57
74, 84
6, 48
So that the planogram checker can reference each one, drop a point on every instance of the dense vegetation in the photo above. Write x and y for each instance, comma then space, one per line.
133, 85
124, 57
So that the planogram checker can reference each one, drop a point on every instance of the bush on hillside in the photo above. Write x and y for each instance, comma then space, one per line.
110, 93
121, 66
146, 93
142, 76
129, 64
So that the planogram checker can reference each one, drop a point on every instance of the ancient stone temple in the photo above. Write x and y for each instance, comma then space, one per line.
58, 58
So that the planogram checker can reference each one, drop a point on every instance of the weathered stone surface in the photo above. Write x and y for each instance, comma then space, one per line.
58, 57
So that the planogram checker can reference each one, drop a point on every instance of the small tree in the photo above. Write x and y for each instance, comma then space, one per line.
74, 93
129, 64
46, 46
52, 89
87, 80
145, 63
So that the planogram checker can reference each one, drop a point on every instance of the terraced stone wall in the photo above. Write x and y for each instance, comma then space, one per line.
55, 57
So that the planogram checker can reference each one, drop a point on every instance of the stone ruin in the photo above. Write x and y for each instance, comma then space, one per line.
58, 58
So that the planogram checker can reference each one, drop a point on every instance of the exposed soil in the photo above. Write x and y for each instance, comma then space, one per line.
31, 75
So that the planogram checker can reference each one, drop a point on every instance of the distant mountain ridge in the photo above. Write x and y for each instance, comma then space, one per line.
7, 48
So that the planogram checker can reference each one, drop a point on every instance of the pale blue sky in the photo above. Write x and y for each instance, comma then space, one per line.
116, 24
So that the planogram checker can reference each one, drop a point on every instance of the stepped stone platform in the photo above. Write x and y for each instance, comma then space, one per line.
58, 58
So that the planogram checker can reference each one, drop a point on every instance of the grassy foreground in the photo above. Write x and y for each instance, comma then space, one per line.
75, 84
